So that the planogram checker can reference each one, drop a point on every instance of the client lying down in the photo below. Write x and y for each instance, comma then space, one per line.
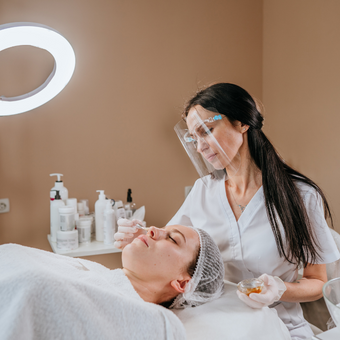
49, 296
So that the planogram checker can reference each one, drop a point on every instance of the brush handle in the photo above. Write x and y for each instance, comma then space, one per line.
138, 226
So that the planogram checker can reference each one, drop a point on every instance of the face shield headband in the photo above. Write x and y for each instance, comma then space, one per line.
201, 135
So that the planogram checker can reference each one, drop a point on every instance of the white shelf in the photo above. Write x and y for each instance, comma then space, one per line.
92, 248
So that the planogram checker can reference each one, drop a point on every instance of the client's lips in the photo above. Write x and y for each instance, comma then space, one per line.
144, 239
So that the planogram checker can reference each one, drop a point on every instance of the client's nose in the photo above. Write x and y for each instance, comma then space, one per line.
156, 233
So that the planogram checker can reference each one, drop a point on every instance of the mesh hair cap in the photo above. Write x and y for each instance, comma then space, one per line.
207, 282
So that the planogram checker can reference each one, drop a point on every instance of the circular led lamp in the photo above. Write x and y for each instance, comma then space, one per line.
41, 36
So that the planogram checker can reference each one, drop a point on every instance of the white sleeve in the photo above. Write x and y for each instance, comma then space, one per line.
182, 216
328, 249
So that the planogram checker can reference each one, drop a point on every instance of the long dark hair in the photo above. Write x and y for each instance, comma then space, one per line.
282, 197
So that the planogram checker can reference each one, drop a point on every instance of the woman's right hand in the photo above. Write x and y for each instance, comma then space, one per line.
127, 232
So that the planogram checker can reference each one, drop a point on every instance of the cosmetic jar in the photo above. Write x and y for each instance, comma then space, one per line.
84, 230
67, 240
72, 202
67, 221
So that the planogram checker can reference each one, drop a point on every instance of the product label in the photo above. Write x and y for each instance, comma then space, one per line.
68, 244
67, 222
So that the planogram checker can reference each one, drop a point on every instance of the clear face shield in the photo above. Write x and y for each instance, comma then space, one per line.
208, 139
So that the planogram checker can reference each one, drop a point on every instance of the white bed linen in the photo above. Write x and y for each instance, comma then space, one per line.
47, 296
229, 318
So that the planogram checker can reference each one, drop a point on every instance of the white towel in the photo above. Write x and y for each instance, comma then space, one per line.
48, 296
228, 318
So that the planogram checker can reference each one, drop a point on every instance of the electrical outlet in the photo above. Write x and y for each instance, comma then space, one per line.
187, 190
4, 205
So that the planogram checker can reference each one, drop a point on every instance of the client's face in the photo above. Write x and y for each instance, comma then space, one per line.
162, 253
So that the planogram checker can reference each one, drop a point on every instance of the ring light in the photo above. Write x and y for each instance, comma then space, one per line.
22, 33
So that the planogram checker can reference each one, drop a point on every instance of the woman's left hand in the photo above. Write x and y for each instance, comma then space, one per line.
273, 289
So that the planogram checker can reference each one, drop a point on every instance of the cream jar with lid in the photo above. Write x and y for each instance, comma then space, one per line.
84, 230
67, 240
67, 218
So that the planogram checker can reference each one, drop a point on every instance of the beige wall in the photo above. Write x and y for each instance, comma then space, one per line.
301, 85
112, 126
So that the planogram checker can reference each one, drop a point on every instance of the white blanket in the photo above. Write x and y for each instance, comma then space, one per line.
48, 296
228, 318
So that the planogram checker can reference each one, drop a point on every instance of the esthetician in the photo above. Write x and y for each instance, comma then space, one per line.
265, 217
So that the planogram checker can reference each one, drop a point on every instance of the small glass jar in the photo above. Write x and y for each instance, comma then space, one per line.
249, 286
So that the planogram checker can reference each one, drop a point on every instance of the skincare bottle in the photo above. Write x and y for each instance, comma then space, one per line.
86, 206
99, 208
120, 211
131, 205
54, 215
73, 202
81, 209
59, 185
109, 223
84, 229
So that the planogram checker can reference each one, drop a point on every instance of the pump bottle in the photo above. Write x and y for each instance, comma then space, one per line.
54, 215
59, 185
99, 208
109, 223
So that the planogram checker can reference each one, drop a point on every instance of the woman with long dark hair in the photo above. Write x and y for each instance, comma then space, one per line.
266, 218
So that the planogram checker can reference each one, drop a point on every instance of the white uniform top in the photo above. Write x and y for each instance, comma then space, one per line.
248, 245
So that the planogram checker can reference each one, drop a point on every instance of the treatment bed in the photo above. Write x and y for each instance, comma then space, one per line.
49, 296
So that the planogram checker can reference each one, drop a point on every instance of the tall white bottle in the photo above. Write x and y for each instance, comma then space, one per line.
109, 223
99, 208
54, 215
59, 185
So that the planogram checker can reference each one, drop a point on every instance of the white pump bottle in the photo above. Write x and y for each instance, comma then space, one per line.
109, 223
99, 208
59, 185
54, 215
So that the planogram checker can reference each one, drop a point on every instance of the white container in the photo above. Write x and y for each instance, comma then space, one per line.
120, 211
86, 206
81, 210
109, 223
73, 203
85, 218
67, 218
93, 227
67, 240
84, 230
54, 216
99, 208
59, 185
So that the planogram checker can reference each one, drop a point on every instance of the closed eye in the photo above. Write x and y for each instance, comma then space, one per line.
172, 239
